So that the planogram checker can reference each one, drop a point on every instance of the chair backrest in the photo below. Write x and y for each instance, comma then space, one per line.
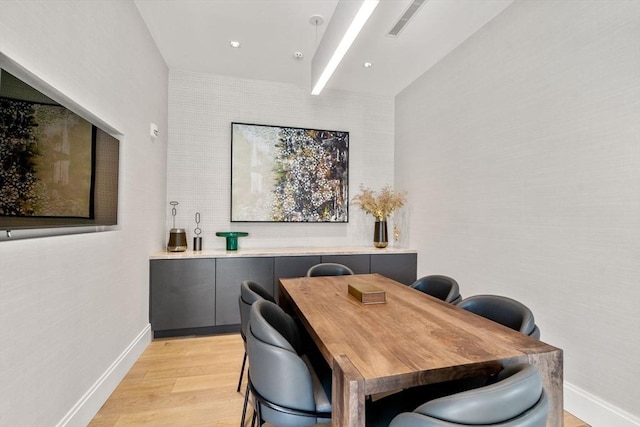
250, 292
503, 310
517, 399
276, 370
444, 288
329, 269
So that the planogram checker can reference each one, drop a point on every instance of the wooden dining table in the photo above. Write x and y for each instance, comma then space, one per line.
411, 339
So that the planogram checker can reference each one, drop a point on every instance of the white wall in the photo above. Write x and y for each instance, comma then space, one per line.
201, 109
521, 154
74, 309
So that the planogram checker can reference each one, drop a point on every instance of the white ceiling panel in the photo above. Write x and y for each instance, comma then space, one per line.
194, 35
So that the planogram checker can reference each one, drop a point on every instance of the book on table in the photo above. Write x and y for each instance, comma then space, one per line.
367, 293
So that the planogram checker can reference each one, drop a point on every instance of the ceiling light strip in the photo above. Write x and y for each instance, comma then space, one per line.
365, 11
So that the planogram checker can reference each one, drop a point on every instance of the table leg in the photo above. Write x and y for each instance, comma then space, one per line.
347, 394
550, 365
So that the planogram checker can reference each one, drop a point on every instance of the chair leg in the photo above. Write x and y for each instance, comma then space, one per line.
257, 414
244, 408
244, 361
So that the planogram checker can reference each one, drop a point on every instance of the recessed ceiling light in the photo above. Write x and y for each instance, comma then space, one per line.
367, 65
234, 43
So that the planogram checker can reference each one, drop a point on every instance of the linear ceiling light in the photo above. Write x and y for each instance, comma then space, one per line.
361, 17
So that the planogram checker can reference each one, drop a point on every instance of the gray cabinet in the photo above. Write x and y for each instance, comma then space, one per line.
230, 273
399, 267
182, 293
190, 296
360, 264
292, 266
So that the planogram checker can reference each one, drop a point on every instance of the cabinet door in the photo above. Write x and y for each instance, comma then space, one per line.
292, 266
358, 263
182, 293
230, 273
399, 267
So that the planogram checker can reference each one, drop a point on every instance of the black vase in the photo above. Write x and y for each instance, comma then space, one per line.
380, 238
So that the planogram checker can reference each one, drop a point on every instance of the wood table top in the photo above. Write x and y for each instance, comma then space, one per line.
411, 339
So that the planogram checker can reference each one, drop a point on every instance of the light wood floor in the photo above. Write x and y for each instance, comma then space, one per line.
187, 382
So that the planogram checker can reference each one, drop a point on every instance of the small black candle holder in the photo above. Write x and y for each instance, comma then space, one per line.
197, 239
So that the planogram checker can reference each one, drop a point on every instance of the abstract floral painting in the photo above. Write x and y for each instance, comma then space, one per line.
287, 174
45, 161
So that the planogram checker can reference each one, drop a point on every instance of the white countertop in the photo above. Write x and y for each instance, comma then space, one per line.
268, 252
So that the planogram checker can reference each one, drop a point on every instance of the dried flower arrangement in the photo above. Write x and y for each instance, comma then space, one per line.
379, 205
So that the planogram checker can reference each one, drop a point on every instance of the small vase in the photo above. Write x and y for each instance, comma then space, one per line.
380, 238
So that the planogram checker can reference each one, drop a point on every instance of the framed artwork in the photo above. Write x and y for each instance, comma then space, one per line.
58, 168
287, 174
47, 167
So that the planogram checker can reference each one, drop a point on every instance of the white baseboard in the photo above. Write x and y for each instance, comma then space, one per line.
89, 404
595, 411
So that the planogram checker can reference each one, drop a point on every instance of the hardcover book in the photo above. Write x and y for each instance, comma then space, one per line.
367, 294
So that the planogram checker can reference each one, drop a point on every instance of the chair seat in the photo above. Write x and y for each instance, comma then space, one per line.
323, 401
286, 416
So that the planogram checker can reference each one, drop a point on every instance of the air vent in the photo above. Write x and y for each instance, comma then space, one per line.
406, 17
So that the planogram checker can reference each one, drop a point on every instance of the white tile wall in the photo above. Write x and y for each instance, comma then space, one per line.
201, 109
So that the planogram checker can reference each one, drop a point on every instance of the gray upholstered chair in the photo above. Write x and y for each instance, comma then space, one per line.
286, 388
503, 310
250, 292
329, 269
442, 287
517, 399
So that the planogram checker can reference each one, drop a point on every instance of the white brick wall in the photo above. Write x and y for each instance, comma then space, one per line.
201, 109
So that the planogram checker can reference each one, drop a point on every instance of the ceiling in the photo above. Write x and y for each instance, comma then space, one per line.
194, 35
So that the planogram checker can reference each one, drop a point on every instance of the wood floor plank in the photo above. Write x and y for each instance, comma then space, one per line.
188, 382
